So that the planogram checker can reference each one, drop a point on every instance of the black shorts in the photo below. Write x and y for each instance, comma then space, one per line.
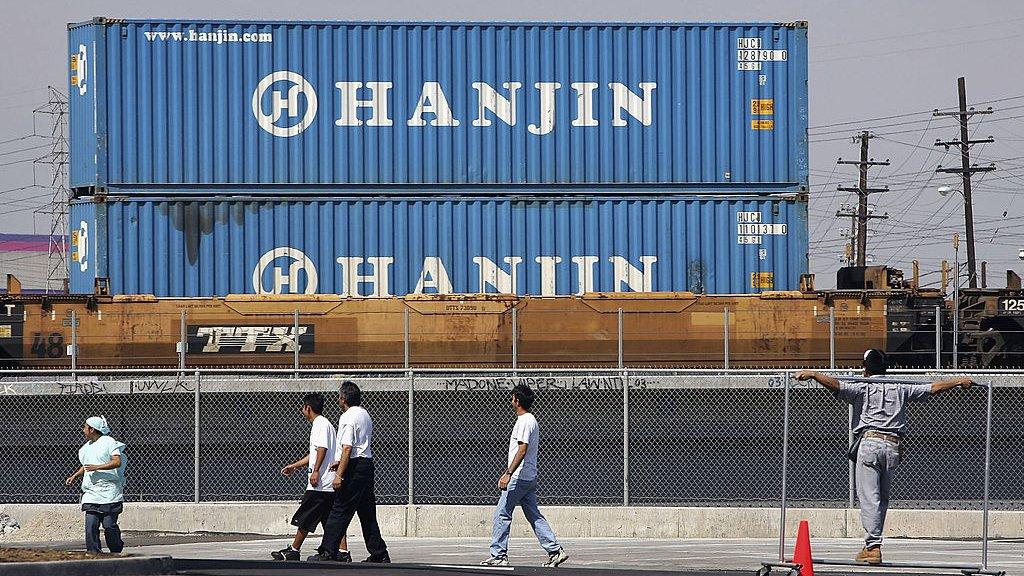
314, 509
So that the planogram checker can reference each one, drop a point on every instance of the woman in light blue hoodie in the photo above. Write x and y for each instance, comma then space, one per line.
103, 463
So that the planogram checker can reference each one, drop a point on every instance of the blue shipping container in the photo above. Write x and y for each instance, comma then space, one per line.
380, 247
271, 106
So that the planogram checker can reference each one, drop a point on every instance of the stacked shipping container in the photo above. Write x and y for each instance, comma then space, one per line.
217, 157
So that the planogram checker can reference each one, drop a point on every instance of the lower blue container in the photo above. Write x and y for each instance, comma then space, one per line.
359, 247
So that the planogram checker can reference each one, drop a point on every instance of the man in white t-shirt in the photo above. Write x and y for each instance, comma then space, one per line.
518, 484
319, 496
353, 481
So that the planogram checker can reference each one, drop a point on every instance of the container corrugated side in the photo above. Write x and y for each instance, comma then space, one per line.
379, 247
280, 104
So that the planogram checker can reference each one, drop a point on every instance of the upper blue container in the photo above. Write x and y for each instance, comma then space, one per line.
202, 106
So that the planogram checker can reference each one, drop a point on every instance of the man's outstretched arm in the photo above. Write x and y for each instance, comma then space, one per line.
823, 379
943, 385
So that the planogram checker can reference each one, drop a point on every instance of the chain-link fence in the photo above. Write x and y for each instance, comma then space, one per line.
618, 437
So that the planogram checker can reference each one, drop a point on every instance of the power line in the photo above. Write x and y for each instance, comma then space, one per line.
919, 49
913, 34
19, 151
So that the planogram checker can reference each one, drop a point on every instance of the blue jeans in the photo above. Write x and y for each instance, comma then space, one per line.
520, 493
93, 520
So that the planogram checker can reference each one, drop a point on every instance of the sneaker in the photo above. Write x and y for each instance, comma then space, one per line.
286, 554
321, 556
556, 558
495, 561
870, 555
344, 556
382, 559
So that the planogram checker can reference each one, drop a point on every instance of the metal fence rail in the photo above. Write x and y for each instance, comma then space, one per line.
613, 437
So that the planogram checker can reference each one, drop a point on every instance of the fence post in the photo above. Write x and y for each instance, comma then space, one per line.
195, 441
851, 469
412, 385
988, 472
625, 414
785, 465
725, 333
832, 337
625, 435
515, 339
619, 337
74, 345
295, 347
938, 337
405, 340
182, 339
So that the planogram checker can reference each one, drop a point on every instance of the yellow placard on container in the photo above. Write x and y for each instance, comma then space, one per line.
762, 124
5, 331
762, 107
762, 280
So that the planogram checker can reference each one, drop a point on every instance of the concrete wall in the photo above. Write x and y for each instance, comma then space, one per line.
65, 522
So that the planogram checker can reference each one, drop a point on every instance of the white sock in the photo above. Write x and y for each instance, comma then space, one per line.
293, 547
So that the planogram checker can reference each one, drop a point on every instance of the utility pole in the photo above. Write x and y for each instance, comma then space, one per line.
849, 249
862, 216
966, 170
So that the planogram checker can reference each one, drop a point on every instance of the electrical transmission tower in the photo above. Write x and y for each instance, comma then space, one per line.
858, 247
57, 209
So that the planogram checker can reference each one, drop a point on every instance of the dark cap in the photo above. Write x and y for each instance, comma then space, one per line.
875, 361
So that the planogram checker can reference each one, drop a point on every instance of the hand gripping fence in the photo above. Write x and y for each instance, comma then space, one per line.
793, 569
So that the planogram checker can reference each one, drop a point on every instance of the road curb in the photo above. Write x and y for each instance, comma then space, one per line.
131, 566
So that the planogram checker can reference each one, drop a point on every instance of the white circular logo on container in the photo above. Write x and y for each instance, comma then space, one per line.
81, 70
298, 262
82, 245
281, 102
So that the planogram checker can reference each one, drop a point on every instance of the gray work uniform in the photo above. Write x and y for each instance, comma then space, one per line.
878, 406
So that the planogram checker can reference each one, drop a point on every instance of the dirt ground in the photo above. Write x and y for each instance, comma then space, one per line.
44, 555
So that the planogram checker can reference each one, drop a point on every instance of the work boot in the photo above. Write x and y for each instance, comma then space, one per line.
871, 555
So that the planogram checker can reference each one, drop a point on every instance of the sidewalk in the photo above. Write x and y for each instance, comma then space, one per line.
675, 554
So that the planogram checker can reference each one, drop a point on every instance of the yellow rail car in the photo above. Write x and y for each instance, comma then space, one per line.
681, 329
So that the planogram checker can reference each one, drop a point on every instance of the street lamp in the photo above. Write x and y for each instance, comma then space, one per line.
945, 190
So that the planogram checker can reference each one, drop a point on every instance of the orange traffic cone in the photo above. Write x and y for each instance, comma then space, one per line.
802, 552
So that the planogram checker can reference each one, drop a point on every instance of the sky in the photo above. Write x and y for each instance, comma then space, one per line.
881, 66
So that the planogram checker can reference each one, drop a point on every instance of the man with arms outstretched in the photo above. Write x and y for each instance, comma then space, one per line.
879, 423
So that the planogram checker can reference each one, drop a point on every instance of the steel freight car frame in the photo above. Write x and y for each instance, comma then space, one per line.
777, 329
